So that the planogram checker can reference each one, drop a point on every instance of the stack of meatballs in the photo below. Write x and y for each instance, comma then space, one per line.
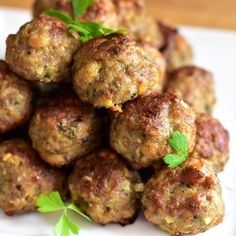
92, 121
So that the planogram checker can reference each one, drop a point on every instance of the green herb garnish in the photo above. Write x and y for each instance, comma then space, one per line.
87, 30
53, 202
179, 142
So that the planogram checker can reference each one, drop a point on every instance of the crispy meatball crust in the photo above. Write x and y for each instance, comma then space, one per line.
111, 70
212, 141
185, 200
65, 129
175, 48
195, 86
141, 132
15, 100
42, 50
24, 177
101, 11
104, 188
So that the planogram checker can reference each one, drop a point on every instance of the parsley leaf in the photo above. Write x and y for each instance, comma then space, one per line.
80, 7
87, 30
65, 226
60, 15
50, 203
53, 202
174, 160
179, 142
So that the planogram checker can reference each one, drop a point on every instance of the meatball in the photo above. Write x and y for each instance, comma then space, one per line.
101, 11
61, 5
212, 141
156, 57
195, 86
64, 129
24, 177
104, 188
111, 70
185, 200
15, 100
141, 26
141, 132
42, 50
176, 49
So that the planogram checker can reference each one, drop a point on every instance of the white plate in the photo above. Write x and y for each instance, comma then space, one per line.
214, 50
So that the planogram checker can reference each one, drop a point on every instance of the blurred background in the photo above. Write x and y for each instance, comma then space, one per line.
205, 13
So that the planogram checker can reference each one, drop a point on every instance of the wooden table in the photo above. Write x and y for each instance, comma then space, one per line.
207, 13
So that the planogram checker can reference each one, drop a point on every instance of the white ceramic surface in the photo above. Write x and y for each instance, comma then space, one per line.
214, 50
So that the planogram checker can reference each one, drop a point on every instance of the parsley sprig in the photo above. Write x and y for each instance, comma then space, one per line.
87, 30
179, 142
52, 203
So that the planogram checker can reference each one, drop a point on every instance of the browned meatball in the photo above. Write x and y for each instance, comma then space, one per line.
212, 141
101, 11
176, 49
24, 177
15, 99
111, 70
65, 129
141, 132
42, 50
195, 86
156, 57
104, 188
141, 26
185, 200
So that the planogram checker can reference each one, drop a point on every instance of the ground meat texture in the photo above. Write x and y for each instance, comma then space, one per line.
15, 100
156, 57
24, 177
42, 50
104, 188
141, 26
195, 86
141, 132
175, 48
184, 200
212, 141
101, 11
65, 129
111, 70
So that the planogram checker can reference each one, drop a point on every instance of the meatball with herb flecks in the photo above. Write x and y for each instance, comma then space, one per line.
24, 177
15, 99
141, 26
64, 129
101, 11
212, 141
111, 70
105, 189
141, 132
184, 200
156, 57
175, 48
195, 86
42, 50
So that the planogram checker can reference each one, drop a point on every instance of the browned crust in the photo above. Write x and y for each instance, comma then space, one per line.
149, 110
105, 47
212, 141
